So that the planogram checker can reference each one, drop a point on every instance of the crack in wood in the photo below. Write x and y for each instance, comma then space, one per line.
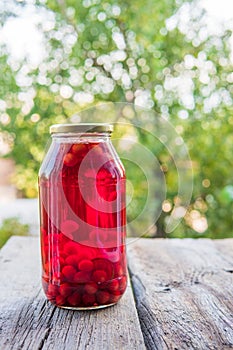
45, 337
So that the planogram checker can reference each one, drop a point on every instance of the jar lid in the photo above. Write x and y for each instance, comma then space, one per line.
81, 128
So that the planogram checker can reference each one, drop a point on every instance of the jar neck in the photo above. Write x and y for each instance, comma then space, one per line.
82, 137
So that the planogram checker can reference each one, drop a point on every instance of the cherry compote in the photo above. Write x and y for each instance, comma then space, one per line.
83, 218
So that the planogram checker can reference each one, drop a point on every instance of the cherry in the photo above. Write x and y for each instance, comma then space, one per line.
103, 297
123, 283
61, 261
52, 290
78, 148
72, 260
74, 299
97, 151
112, 196
70, 159
104, 175
113, 285
81, 277
85, 265
115, 296
65, 289
68, 272
99, 276
86, 252
88, 299
103, 286
71, 248
104, 264
60, 300
118, 269
91, 288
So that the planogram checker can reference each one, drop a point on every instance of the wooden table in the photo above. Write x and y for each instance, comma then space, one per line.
180, 297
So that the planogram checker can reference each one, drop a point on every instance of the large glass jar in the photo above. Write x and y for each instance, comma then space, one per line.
82, 218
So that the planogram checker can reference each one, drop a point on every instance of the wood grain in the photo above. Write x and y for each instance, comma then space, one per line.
28, 321
184, 292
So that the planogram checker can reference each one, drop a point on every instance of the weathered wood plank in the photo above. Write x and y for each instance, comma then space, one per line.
184, 292
28, 321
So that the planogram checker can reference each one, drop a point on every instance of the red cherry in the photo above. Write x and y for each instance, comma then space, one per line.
72, 260
112, 196
103, 286
74, 299
52, 290
103, 297
103, 264
71, 248
62, 261
89, 299
97, 150
68, 272
60, 300
65, 289
86, 252
91, 145
115, 296
81, 277
104, 175
86, 265
99, 276
91, 288
70, 159
118, 269
78, 148
113, 285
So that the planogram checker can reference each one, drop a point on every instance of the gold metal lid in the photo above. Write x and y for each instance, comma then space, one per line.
81, 128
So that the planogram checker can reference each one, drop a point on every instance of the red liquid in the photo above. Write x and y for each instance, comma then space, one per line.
82, 201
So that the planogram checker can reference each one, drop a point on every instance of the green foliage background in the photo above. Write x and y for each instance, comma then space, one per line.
99, 51
12, 226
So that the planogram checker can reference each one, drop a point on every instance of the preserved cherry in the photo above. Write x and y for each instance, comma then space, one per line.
83, 219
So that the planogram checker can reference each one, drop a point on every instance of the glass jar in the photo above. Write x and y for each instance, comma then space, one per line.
82, 218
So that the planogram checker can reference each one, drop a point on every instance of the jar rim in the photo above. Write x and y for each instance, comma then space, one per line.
81, 128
